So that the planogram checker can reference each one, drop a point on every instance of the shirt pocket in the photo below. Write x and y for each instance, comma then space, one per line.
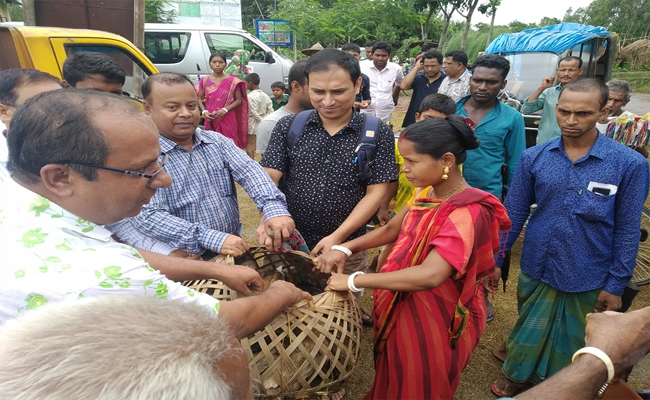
595, 207
222, 182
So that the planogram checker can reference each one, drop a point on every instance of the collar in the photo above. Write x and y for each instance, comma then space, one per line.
355, 124
200, 137
464, 75
599, 149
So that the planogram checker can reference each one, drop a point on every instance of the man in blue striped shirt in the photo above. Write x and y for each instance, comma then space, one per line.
199, 212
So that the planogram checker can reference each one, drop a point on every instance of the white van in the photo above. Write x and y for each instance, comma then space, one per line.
186, 49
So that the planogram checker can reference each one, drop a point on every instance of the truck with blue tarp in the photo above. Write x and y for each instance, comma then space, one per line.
535, 53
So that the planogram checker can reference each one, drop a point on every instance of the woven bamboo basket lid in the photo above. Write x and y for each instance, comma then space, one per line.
308, 350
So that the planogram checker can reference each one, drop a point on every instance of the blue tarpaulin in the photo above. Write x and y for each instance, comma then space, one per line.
554, 39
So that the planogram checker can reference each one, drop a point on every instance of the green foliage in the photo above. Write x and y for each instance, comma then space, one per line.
350, 20
15, 12
157, 11
476, 41
406, 51
516, 26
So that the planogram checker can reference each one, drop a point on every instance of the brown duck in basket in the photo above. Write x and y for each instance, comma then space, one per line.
311, 348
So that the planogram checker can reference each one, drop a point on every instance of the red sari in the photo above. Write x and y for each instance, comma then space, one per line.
235, 123
424, 339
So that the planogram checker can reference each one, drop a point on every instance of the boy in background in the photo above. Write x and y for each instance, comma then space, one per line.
363, 98
435, 105
279, 98
259, 106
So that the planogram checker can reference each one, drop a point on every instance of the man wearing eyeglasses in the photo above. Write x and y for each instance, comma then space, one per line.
456, 83
83, 159
545, 97
19, 85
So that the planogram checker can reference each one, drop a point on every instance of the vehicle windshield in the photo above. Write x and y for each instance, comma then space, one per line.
527, 70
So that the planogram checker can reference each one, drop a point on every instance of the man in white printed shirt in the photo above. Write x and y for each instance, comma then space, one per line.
385, 78
81, 160
456, 83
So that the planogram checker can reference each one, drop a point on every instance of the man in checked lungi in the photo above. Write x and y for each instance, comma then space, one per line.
581, 242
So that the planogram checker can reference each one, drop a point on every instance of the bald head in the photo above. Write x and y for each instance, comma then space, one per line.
61, 125
165, 78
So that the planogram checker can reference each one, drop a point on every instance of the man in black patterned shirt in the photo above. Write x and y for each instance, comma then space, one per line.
324, 195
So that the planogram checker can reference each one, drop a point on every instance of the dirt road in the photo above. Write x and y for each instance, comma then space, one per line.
639, 103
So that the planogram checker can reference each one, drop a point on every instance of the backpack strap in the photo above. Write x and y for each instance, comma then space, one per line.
367, 148
296, 127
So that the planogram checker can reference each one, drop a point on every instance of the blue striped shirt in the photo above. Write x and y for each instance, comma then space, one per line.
199, 210
578, 240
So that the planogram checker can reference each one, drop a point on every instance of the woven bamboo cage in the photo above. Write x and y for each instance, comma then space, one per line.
310, 349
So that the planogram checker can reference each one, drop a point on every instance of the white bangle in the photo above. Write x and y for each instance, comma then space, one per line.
225, 109
351, 286
342, 249
598, 353
205, 111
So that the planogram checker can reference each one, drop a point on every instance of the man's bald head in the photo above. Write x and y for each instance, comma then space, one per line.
165, 78
60, 125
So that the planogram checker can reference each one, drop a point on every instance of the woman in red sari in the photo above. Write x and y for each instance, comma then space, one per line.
226, 103
429, 313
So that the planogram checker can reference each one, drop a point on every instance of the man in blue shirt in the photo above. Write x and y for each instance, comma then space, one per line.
500, 128
581, 242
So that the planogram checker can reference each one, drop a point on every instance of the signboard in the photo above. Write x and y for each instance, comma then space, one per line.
206, 12
274, 32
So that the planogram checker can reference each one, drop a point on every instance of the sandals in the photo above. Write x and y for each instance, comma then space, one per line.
504, 387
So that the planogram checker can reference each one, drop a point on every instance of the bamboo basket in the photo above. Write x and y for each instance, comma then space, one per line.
310, 349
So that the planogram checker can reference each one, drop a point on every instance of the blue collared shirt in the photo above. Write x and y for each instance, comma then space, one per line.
199, 210
548, 127
503, 138
578, 240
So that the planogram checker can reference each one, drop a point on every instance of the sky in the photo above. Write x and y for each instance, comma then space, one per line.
527, 11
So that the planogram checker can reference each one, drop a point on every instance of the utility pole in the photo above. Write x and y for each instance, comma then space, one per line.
29, 13
138, 38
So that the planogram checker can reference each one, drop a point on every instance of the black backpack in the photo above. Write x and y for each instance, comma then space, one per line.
365, 151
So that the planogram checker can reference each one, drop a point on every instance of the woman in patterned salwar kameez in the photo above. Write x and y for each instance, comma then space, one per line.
429, 313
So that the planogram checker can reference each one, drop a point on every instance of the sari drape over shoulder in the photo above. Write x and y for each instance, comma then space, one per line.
234, 124
424, 339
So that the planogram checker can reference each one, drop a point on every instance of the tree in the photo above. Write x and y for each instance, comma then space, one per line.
468, 6
546, 21
158, 11
490, 8
447, 9
15, 12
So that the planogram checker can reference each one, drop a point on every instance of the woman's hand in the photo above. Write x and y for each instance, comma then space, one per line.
220, 113
338, 282
331, 260
207, 115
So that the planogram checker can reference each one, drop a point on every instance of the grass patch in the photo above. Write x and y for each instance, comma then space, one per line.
640, 80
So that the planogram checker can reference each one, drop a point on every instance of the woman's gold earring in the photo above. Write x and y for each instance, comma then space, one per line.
445, 174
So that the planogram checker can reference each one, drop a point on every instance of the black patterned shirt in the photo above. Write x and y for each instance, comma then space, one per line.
320, 173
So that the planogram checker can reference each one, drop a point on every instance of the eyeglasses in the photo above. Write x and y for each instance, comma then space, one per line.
445, 63
564, 71
123, 171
